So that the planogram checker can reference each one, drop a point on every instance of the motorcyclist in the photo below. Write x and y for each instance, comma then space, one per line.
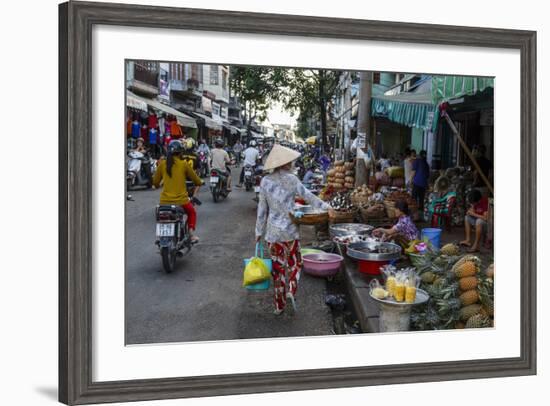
203, 147
251, 155
237, 150
140, 146
221, 161
189, 154
173, 173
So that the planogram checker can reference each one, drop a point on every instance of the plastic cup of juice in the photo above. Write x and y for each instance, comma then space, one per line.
399, 292
410, 294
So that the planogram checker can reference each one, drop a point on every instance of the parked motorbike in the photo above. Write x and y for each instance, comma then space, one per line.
139, 170
173, 238
218, 185
203, 164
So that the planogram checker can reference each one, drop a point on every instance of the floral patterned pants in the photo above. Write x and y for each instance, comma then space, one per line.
287, 265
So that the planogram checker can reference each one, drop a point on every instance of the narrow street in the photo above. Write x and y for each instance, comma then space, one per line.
203, 298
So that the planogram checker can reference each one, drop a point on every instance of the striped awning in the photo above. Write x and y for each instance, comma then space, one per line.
449, 87
134, 102
209, 122
409, 109
183, 119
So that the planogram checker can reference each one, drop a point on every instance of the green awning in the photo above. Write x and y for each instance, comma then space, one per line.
409, 109
449, 87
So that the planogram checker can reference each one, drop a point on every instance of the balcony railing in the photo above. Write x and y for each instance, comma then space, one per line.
146, 74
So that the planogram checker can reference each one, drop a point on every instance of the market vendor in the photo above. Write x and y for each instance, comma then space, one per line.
404, 231
278, 191
442, 200
476, 217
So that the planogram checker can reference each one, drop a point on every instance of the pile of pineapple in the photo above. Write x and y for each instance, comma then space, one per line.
461, 294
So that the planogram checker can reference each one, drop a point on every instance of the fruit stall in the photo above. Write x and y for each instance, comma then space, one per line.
414, 287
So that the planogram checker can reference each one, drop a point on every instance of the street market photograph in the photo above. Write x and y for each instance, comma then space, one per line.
272, 202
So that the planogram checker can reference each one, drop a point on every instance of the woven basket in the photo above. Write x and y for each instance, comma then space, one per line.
358, 201
310, 219
369, 216
390, 208
336, 217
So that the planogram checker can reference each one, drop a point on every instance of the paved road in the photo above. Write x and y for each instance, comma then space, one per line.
203, 298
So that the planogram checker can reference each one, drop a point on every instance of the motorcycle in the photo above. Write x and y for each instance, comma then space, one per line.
248, 177
203, 164
258, 174
172, 231
139, 170
218, 184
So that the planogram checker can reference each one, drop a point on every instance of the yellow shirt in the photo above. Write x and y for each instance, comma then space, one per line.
174, 190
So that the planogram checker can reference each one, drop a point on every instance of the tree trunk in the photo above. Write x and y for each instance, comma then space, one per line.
323, 111
363, 125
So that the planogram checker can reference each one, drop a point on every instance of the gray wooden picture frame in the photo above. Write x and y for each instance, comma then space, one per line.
76, 20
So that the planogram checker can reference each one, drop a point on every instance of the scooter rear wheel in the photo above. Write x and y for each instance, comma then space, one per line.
168, 259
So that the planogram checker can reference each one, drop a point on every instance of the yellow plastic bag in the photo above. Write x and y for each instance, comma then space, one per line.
255, 272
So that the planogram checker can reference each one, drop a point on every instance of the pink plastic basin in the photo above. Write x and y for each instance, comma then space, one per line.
323, 264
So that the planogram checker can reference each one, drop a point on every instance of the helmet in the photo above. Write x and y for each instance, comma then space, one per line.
252, 143
175, 147
219, 142
189, 144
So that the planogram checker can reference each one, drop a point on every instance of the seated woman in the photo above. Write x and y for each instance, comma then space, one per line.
442, 202
476, 216
404, 231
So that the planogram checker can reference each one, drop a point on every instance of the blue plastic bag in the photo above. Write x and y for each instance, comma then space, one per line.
259, 253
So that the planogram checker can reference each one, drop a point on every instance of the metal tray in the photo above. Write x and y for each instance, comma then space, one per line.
343, 229
355, 250
421, 297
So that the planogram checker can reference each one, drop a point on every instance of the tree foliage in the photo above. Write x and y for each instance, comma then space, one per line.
310, 91
257, 88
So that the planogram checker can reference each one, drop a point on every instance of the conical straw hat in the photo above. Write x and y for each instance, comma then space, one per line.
280, 156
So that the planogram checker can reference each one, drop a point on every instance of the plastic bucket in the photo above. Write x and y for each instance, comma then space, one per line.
433, 235
371, 267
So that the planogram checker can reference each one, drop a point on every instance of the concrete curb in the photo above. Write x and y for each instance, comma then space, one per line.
366, 309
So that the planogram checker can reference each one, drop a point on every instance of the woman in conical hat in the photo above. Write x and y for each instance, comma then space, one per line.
277, 193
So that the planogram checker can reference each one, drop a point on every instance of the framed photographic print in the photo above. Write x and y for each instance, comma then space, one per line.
260, 202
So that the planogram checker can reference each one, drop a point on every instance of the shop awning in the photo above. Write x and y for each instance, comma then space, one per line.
311, 140
232, 129
134, 102
210, 123
408, 109
183, 119
256, 135
449, 87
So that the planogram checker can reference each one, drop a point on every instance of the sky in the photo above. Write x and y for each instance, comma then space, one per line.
277, 115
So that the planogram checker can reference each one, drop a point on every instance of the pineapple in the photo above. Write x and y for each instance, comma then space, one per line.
469, 311
427, 277
469, 297
468, 265
449, 306
450, 250
468, 283
460, 325
490, 272
478, 321
486, 298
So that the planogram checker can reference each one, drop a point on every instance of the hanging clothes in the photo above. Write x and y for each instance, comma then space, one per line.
175, 130
136, 129
152, 121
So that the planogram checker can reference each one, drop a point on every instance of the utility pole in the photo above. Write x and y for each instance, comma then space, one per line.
363, 126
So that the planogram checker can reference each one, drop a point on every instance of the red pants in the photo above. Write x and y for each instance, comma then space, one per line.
287, 265
191, 215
